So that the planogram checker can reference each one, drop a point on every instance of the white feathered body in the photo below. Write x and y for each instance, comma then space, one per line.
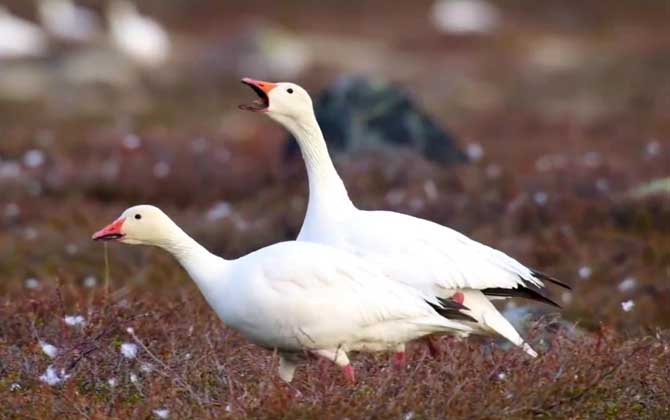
296, 296
424, 255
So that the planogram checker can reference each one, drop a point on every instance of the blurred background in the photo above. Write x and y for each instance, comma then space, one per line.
539, 127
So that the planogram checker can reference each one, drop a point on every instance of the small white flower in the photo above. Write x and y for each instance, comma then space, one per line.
219, 210
33, 158
90, 281
130, 330
52, 377
32, 283
161, 169
540, 198
475, 151
229, 408
502, 376
111, 382
653, 148
566, 297
133, 378
129, 350
409, 415
627, 284
584, 272
49, 349
162, 413
132, 142
146, 367
74, 320
628, 305
465, 16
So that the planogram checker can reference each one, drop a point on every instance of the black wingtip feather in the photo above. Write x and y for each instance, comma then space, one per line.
528, 292
542, 276
451, 309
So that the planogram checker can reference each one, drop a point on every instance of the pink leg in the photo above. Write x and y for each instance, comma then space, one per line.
433, 346
399, 360
348, 371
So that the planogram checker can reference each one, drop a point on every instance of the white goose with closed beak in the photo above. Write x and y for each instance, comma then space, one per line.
424, 255
297, 297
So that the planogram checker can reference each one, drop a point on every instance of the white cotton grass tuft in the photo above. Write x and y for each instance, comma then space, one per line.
74, 320
53, 377
628, 284
32, 283
220, 210
49, 349
133, 378
129, 350
464, 17
584, 272
475, 151
162, 413
112, 382
540, 198
33, 158
566, 297
132, 142
90, 281
627, 305
652, 149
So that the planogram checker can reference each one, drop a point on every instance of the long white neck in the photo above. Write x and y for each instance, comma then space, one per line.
326, 189
205, 268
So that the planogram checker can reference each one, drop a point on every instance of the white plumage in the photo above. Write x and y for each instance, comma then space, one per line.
295, 296
431, 258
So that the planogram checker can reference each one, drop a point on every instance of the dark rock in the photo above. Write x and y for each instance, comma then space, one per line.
357, 114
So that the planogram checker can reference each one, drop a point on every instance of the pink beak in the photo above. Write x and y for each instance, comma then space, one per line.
111, 232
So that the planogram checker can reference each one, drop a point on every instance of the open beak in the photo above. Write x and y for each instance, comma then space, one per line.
262, 89
111, 232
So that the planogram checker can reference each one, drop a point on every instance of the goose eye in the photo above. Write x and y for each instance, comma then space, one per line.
289, 90
138, 216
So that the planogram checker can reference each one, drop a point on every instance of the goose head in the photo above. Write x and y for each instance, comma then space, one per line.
140, 225
286, 103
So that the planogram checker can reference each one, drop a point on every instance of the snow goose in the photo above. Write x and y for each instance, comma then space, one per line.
297, 297
432, 258
69, 22
20, 38
139, 37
